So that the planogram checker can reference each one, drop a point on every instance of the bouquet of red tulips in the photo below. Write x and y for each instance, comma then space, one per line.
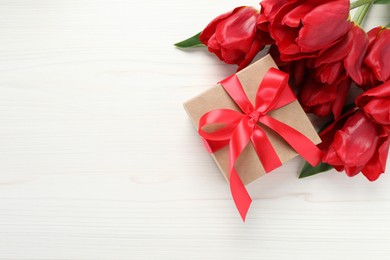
326, 54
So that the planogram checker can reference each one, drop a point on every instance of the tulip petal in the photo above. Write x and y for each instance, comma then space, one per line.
378, 57
321, 110
328, 133
368, 78
298, 55
284, 36
214, 47
379, 111
294, 17
331, 157
337, 52
352, 170
323, 99
354, 60
376, 103
372, 34
271, 8
231, 56
331, 73
357, 141
377, 165
263, 34
242, 21
339, 102
314, 93
255, 48
324, 25
211, 27
233, 36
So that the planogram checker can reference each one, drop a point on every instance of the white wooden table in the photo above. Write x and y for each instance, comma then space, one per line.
98, 160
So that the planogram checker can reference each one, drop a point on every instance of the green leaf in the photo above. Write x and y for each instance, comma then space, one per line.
383, 2
388, 25
190, 42
309, 170
358, 3
361, 13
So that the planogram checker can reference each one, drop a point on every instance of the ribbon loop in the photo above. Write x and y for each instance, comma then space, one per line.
240, 128
274, 91
227, 119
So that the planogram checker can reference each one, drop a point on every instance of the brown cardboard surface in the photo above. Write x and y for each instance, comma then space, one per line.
248, 165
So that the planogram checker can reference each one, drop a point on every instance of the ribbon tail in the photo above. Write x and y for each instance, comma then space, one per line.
240, 194
239, 140
299, 142
265, 151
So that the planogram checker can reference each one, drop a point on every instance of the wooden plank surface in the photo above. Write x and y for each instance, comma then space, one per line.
98, 159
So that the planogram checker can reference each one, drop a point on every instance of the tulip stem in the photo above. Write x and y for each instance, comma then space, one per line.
360, 3
361, 13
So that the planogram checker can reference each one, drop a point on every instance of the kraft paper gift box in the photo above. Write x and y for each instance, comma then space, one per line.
248, 164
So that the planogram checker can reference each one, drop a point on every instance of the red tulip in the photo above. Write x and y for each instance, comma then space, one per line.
378, 55
376, 104
368, 78
353, 62
377, 165
233, 36
329, 66
325, 90
374, 68
301, 29
323, 99
356, 145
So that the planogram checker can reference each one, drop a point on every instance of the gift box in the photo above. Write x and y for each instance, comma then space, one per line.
251, 123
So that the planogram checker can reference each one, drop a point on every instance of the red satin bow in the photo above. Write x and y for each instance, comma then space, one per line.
241, 127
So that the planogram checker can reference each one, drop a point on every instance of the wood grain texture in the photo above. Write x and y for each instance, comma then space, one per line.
98, 159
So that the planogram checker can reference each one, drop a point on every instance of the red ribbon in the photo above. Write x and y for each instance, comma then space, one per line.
241, 127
